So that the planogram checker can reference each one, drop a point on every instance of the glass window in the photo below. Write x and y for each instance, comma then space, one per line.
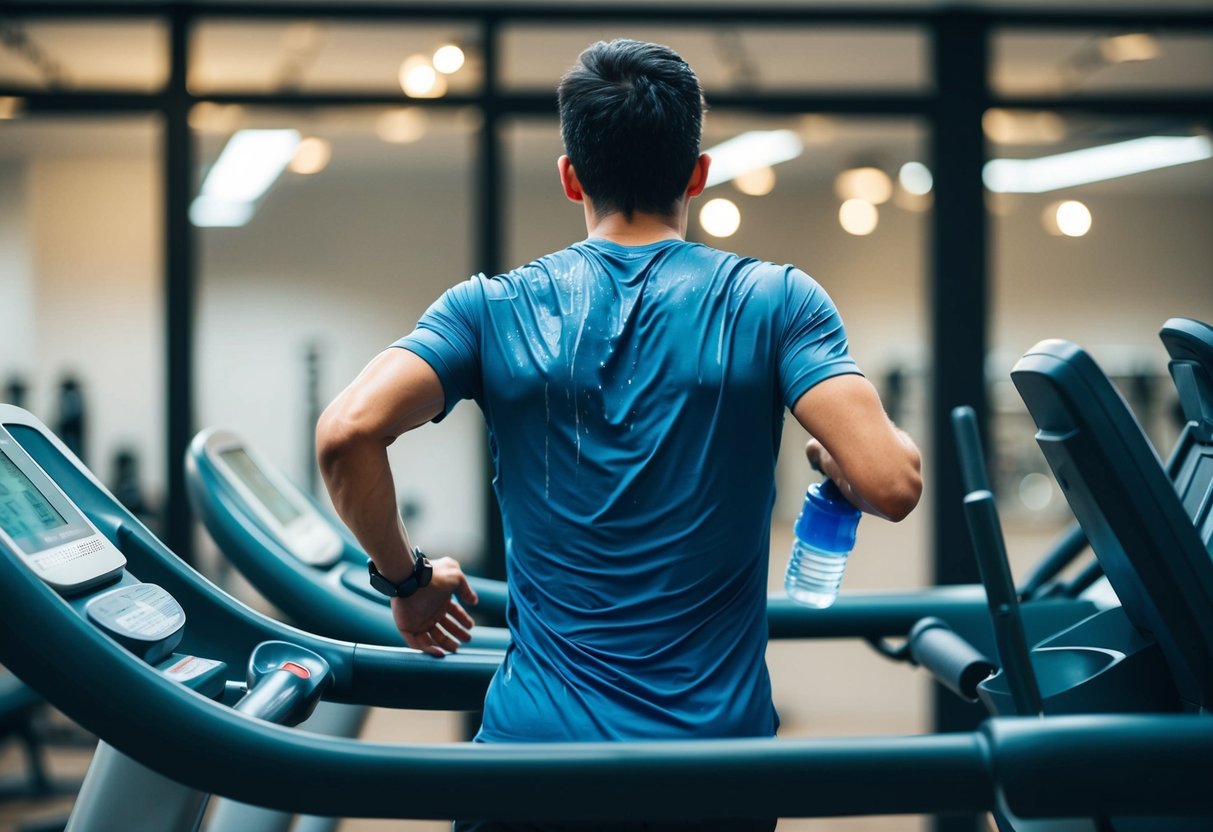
731, 59
84, 54
1039, 62
322, 56
81, 321
335, 261
1101, 261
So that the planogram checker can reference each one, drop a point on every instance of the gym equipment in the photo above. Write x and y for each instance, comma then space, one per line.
1134, 516
981, 514
302, 559
309, 566
202, 743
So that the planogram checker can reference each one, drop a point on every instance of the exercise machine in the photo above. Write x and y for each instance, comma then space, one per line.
294, 552
140, 698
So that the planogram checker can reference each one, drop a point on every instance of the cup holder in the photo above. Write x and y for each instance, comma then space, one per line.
1061, 668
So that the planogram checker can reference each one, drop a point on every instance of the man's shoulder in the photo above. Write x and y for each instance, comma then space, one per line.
749, 263
503, 284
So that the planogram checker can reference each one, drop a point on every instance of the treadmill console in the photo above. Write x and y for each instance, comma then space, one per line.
41, 525
282, 509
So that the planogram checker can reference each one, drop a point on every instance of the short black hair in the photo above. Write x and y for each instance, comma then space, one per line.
631, 116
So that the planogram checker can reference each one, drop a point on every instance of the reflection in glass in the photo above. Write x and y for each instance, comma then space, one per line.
1102, 263
84, 54
81, 322
1034, 62
731, 58
319, 56
334, 266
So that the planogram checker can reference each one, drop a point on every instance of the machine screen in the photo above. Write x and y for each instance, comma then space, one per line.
25, 513
28, 516
242, 464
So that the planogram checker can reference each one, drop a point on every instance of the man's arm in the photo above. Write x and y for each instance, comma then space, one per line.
854, 443
395, 393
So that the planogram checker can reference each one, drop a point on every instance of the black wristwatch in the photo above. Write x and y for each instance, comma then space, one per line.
422, 572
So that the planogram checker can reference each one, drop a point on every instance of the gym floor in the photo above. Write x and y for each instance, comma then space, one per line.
829, 688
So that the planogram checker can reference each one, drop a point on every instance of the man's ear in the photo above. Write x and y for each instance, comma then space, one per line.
699, 175
568, 180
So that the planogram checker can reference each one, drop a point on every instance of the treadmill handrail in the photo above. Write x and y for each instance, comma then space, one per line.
361, 675
207, 746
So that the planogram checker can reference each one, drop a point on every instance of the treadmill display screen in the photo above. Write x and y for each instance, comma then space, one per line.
283, 510
25, 514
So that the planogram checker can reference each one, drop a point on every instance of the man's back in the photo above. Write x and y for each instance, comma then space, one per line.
635, 398
634, 388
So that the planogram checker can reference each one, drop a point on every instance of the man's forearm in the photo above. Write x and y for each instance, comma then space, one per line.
359, 480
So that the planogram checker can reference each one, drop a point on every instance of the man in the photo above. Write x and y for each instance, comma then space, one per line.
634, 387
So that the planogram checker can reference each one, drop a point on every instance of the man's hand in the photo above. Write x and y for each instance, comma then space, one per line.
430, 620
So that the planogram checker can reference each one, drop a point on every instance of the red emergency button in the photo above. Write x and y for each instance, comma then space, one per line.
298, 669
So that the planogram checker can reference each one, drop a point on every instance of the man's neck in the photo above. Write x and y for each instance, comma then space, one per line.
640, 230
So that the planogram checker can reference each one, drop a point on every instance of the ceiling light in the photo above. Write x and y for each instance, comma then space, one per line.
1122, 49
401, 125
1067, 219
756, 182
11, 107
756, 149
867, 183
448, 58
720, 218
915, 178
858, 217
312, 156
1094, 164
249, 164
419, 79
207, 212
245, 169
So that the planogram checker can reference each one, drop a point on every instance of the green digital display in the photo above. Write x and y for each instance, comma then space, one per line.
25, 514
283, 510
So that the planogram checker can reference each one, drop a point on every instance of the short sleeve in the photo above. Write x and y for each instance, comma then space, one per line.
813, 346
447, 337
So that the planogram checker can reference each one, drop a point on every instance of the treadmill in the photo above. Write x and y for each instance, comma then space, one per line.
163, 685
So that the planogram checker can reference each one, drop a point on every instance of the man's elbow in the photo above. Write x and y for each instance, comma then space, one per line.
899, 491
336, 434
898, 501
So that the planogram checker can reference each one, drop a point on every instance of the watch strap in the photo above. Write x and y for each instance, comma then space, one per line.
423, 572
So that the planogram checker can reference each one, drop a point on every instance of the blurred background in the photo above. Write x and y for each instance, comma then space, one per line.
214, 214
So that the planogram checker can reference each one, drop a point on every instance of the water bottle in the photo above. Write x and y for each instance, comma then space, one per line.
825, 535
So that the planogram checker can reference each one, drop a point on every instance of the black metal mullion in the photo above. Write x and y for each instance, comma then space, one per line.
179, 280
958, 308
490, 259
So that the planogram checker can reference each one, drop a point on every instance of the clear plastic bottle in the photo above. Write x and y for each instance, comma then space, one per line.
824, 536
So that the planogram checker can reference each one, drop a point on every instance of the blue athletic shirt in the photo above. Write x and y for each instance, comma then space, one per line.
635, 399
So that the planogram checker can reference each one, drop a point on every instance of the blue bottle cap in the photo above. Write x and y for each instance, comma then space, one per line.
827, 521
